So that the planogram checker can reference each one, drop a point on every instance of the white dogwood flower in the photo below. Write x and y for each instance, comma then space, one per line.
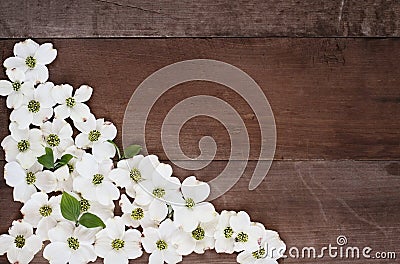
247, 234
70, 244
271, 249
42, 213
32, 58
23, 145
127, 174
93, 181
17, 90
20, 244
159, 242
224, 235
192, 209
58, 136
161, 190
116, 245
71, 105
135, 215
36, 109
94, 132
25, 181
200, 238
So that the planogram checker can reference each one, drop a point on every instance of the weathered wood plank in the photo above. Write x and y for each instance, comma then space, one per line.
310, 203
332, 98
127, 18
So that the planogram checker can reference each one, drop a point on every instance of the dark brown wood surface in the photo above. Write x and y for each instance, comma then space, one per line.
126, 18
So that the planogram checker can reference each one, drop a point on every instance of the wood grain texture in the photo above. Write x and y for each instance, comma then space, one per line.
332, 98
127, 18
310, 203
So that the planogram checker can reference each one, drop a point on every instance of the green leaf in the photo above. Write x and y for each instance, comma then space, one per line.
90, 221
70, 207
116, 147
47, 160
132, 150
63, 161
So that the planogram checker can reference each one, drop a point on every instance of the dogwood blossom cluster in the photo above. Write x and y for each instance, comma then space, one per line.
160, 215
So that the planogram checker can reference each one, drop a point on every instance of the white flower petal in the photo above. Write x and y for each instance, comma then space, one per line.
65, 130
40, 74
80, 112
42, 116
151, 236
46, 181
86, 235
83, 254
18, 134
27, 89
86, 125
205, 211
116, 257
44, 226
197, 190
224, 245
62, 111
45, 54
82, 141
108, 131
6, 241
184, 242
23, 192
43, 95
147, 165
15, 100
26, 159
83, 93
16, 75
239, 221
103, 150
158, 210
15, 62
156, 257
22, 117
185, 218
16, 255
10, 147
57, 252
61, 92
115, 227
61, 232
6, 88
20, 228
102, 245
62, 173
142, 197
106, 193
170, 256
14, 174
167, 229
25, 48
121, 177
33, 243
132, 244
87, 166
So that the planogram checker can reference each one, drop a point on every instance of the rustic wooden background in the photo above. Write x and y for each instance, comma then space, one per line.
330, 70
